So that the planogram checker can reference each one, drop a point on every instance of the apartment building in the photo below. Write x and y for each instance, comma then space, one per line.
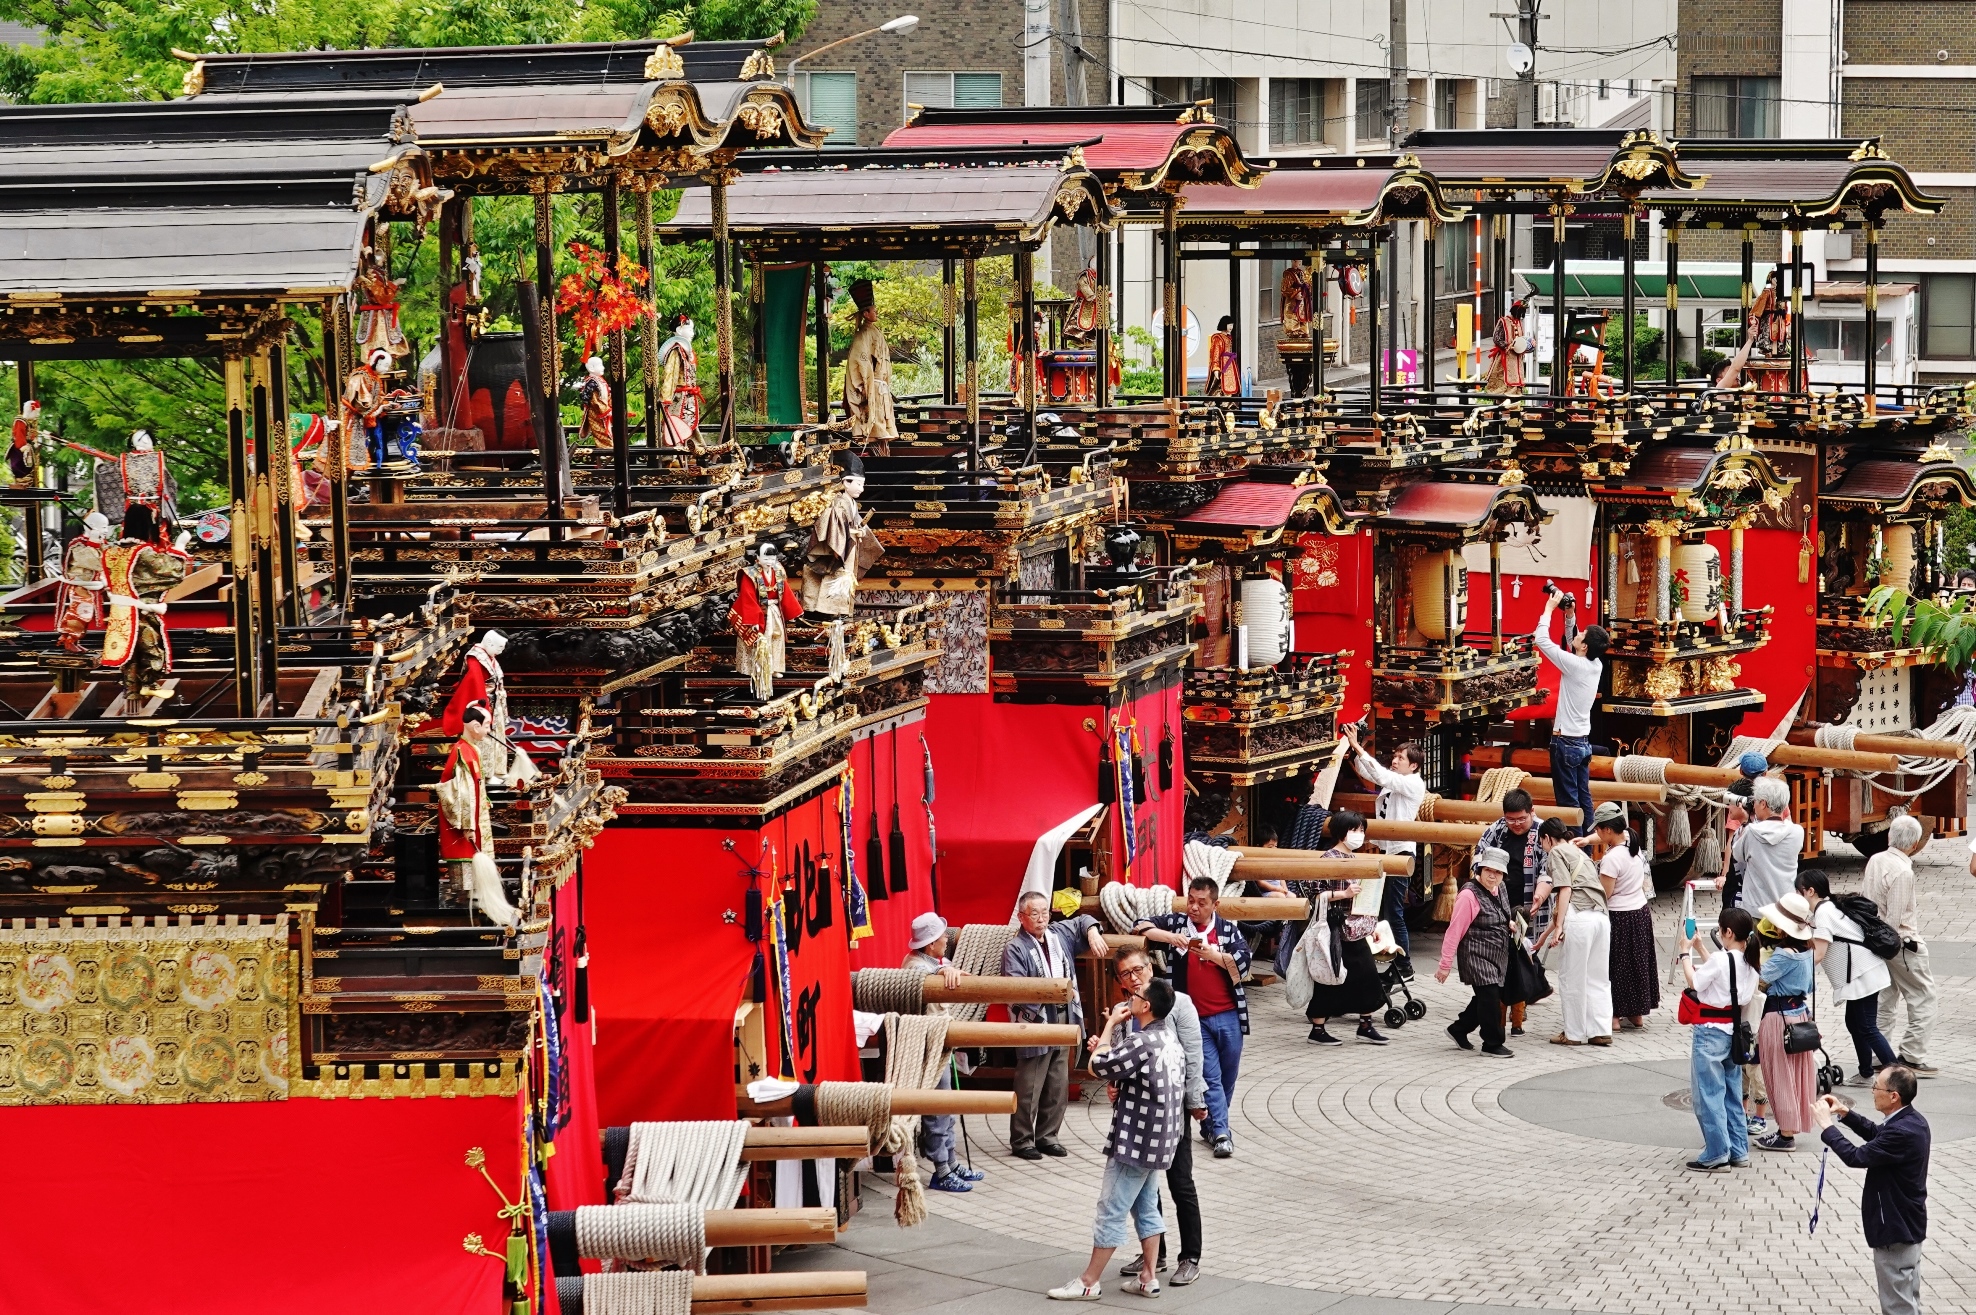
1901, 70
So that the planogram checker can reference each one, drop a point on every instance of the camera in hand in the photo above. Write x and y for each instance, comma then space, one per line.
1564, 600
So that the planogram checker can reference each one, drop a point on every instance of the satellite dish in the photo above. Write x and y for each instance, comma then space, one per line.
1521, 58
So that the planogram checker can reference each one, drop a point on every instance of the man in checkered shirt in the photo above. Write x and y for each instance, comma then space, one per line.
1147, 1071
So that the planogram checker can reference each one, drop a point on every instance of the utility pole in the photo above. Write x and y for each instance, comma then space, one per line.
1526, 82
1396, 66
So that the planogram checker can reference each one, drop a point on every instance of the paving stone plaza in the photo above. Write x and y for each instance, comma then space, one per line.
1419, 1178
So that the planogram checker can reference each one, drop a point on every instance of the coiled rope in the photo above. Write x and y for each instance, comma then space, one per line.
655, 1292
888, 991
915, 1056
1126, 906
1497, 782
978, 953
687, 1163
1956, 726
673, 1234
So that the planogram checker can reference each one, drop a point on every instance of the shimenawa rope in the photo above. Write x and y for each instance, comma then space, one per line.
663, 1234
915, 1056
655, 1292
1124, 906
693, 1163
978, 953
888, 991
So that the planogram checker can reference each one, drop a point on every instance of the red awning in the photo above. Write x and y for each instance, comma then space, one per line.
1430, 502
1245, 505
1120, 145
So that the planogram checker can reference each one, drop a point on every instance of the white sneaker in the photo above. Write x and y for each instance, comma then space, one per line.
1075, 1290
1143, 1286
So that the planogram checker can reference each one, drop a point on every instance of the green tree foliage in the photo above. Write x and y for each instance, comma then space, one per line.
1946, 630
107, 50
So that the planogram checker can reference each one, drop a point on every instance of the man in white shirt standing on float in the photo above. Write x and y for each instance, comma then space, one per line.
1579, 670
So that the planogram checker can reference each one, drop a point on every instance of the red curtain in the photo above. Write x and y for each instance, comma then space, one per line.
574, 1174
1782, 668
1011, 771
1332, 599
299, 1206
1523, 601
667, 969
670, 960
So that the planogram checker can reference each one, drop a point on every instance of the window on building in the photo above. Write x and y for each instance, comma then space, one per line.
1447, 103
1605, 89
1374, 97
1454, 258
830, 100
1735, 107
1270, 288
954, 91
1845, 340
1948, 316
1296, 111
1188, 91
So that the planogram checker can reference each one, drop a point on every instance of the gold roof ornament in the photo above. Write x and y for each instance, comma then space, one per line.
760, 64
761, 116
1512, 475
664, 65
194, 80
1867, 150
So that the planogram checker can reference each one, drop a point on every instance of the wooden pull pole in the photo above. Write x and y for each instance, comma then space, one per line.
805, 1144
819, 1289
962, 1036
771, 1228
1544, 791
1430, 833
1459, 810
1000, 991
1307, 865
905, 1100
1900, 745
1117, 942
1536, 760
1843, 760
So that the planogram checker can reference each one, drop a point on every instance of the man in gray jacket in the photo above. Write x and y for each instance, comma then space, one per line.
1134, 969
1041, 948
1767, 848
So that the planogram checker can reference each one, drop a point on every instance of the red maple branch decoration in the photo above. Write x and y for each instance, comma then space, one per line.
601, 301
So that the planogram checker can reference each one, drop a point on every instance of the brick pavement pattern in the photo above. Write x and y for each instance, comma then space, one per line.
1394, 1172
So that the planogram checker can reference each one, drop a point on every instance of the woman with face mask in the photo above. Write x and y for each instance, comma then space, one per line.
1361, 992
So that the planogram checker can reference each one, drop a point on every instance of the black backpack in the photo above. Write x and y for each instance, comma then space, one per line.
1874, 933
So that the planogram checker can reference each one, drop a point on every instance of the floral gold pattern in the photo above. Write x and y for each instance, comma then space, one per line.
166, 1013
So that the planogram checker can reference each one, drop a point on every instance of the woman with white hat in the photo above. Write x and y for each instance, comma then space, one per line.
1478, 939
928, 940
1786, 977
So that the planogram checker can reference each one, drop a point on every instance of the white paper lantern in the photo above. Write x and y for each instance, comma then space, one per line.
1429, 580
1266, 618
1698, 581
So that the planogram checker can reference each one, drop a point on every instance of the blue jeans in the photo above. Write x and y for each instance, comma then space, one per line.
1716, 1086
1571, 776
1221, 1061
1393, 908
936, 1131
1129, 1190
1862, 1021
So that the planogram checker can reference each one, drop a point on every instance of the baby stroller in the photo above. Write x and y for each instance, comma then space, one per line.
1386, 955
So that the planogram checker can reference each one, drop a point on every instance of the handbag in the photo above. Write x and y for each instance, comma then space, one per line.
1742, 1037
1802, 1037
1524, 982
1323, 960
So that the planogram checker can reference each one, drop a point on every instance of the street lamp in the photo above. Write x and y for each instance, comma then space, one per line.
899, 26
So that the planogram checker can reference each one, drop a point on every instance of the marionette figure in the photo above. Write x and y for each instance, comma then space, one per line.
868, 376
1295, 303
471, 266
140, 477
1509, 345
24, 454
679, 387
1039, 331
1087, 308
483, 683
466, 825
1769, 325
593, 394
79, 599
310, 456
1224, 366
365, 394
764, 604
139, 569
377, 311
842, 548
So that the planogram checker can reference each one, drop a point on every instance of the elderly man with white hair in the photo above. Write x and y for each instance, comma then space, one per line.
1767, 847
1890, 883
1041, 948
937, 1140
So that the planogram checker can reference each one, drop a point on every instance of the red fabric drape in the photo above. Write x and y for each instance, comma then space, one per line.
1011, 771
1523, 601
300, 1206
1332, 600
874, 785
574, 1175
1782, 668
806, 857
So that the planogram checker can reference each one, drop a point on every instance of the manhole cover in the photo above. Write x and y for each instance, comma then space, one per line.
1679, 1100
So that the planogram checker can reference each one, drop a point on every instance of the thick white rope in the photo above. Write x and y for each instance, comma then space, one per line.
978, 953
656, 1292
1955, 726
691, 1163
915, 1057
888, 991
661, 1234
1124, 906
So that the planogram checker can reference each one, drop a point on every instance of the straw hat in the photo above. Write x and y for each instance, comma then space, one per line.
1791, 915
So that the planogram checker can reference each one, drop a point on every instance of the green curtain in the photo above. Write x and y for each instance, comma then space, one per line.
785, 295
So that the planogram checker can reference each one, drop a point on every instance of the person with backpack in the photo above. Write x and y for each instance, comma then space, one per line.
1846, 937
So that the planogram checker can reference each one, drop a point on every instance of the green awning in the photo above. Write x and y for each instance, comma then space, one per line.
1604, 280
